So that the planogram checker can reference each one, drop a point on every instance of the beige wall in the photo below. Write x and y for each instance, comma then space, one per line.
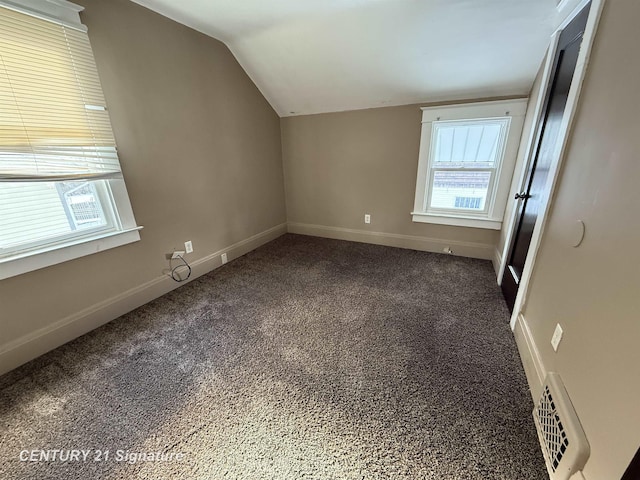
339, 166
592, 290
201, 155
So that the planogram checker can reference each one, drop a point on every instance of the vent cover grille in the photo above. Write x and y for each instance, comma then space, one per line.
554, 435
562, 439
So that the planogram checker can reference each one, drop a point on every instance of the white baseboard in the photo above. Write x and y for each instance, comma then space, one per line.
38, 342
413, 242
530, 355
497, 262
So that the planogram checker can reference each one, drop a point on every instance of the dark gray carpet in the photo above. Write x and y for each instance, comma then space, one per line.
307, 358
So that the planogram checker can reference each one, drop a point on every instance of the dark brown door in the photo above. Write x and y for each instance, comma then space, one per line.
530, 200
633, 470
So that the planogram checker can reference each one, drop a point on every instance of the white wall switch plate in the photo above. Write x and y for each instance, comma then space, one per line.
367, 218
188, 246
557, 336
223, 257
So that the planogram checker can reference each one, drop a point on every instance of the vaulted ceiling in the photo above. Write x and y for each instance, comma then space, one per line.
313, 56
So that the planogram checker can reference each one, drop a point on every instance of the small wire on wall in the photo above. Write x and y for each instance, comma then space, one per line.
178, 272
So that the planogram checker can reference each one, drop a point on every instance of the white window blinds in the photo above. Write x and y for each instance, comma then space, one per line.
53, 120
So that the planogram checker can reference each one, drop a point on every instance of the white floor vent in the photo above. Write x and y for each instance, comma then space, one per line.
564, 444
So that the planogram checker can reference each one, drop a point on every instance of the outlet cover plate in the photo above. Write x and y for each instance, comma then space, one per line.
223, 257
557, 336
188, 246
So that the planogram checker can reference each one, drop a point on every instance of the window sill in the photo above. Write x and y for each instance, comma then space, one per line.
458, 221
52, 255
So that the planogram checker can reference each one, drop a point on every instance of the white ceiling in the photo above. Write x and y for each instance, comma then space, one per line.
313, 56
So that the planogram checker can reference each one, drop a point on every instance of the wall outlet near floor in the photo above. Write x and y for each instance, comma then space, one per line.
367, 218
188, 246
177, 254
557, 336
447, 250
223, 257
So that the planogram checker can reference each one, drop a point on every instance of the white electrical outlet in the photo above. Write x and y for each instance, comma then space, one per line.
176, 254
223, 257
188, 246
557, 336
367, 218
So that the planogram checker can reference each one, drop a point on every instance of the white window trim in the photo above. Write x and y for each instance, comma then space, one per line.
80, 246
58, 11
456, 221
68, 14
59, 253
492, 219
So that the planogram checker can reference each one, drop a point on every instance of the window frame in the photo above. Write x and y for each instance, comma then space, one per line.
47, 253
494, 171
499, 183
121, 227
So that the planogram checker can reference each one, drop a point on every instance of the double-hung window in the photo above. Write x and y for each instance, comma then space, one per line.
467, 156
62, 194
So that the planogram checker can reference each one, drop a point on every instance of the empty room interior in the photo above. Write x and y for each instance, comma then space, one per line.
382, 239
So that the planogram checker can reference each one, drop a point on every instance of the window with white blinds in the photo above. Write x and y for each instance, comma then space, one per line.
60, 179
467, 156
52, 111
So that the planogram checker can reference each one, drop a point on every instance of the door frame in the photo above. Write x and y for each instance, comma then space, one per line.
565, 129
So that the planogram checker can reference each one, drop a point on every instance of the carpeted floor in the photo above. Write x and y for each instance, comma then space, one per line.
306, 359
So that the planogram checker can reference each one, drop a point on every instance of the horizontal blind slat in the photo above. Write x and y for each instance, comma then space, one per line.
47, 77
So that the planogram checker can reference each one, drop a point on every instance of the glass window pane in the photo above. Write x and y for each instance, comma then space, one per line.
35, 212
460, 190
469, 142
488, 147
444, 144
